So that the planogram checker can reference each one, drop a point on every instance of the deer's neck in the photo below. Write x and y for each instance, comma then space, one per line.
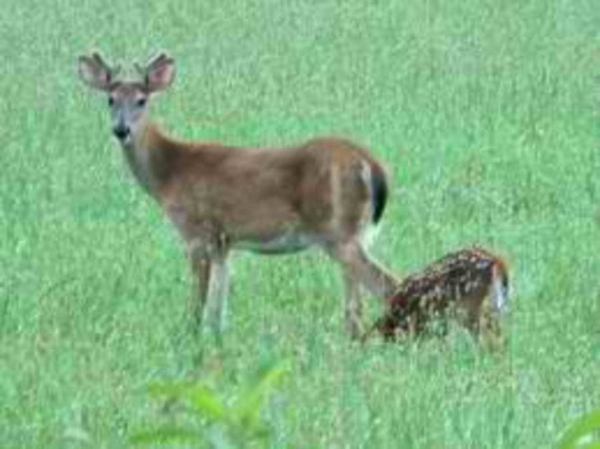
148, 155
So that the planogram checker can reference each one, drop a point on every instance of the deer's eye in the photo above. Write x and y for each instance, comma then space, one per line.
111, 101
141, 102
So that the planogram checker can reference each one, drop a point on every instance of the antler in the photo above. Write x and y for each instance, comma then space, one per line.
111, 71
158, 60
154, 62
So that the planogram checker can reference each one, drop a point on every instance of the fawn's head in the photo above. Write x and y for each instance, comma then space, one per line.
127, 100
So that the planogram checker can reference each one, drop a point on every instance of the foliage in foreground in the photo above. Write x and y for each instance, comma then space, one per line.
583, 434
211, 421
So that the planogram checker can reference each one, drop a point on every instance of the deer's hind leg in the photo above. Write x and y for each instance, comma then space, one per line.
491, 332
358, 264
358, 268
483, 321
352, 304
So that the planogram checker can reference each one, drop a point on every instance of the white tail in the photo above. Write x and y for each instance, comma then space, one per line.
323, 193
471, 282
500, 292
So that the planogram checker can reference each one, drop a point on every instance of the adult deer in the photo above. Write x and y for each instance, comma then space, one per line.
324, 193
471, 284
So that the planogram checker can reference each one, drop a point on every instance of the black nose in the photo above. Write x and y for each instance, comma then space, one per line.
121, 132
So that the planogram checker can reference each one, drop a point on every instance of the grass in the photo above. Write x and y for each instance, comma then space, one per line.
485, 113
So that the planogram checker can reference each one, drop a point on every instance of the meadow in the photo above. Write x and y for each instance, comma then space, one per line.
484, 112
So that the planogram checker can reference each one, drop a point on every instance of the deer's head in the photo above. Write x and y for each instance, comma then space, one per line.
128, 100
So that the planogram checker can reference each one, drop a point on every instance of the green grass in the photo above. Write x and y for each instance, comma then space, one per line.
485, 113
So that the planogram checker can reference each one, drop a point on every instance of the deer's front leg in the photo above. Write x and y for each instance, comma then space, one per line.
215, 309
209, 260
201, 268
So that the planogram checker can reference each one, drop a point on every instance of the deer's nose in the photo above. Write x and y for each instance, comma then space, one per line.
121, 131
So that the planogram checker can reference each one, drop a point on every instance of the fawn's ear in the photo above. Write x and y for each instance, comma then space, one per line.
159, 73
95, 72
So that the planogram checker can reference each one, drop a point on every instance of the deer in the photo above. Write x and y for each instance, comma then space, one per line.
471, 284
325, 193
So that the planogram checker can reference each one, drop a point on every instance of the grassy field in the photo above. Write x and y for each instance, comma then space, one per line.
485, 113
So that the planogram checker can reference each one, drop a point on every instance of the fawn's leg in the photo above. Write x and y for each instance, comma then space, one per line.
483, 322
491, 333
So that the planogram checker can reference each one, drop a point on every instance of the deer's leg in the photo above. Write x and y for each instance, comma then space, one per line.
483, 322
358, 265
214, 317
209, 262
468, 313
352, 304
491, 333
358, 268
201, 267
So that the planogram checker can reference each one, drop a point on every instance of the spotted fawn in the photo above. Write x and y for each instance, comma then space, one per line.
470, 284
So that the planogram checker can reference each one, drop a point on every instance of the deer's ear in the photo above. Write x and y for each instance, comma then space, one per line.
94, 72
160, 74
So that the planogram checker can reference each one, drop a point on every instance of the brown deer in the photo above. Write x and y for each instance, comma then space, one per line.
323, 193
470, 283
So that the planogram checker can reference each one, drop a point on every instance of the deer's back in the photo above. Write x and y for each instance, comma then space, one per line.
260, 193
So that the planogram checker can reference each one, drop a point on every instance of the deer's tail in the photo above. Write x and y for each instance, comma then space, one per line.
379, 191
500, 287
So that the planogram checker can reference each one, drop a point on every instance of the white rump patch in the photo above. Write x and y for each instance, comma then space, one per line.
365, 173
369, 234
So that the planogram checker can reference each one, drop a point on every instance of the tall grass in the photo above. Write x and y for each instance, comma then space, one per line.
484, 111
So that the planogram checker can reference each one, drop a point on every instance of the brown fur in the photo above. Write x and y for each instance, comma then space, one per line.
322, 193
258, 194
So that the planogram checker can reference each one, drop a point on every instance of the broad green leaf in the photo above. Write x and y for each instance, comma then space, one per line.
207, 403
199, 396
595, 445
249, 405
584, 426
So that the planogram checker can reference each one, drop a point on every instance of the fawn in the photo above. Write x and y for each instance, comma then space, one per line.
323, 193
470, 283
